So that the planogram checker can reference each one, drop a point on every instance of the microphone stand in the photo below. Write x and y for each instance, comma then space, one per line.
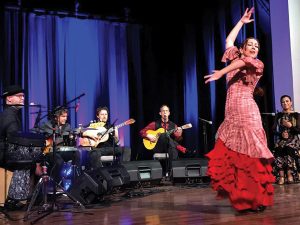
63, 106
114, 142
38, 118
168, 162
204, 132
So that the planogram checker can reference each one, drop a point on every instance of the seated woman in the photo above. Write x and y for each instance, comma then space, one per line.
287, 146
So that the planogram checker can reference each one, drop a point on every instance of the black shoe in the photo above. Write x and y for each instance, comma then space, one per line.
13, 205
260, 208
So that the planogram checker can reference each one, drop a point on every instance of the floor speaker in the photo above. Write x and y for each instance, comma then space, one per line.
115, 176
88, 187
144, 171
189, 169
91, 185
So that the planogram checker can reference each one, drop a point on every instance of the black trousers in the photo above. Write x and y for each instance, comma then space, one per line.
55, 166
165, 144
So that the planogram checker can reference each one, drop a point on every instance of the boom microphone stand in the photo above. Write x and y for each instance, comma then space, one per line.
114, 142
204, 132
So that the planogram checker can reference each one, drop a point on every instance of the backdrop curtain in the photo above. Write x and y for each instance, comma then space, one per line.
132, 68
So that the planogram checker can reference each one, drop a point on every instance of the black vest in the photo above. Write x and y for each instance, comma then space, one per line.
158, 123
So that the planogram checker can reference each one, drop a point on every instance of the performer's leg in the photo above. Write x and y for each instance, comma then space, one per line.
94, 159
126, 154
55, 167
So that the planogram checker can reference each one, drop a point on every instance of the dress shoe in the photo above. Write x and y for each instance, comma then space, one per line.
13, 205
260, 208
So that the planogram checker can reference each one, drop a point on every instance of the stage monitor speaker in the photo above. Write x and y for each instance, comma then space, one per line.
93, 184
114, 175
144, 171
189, 170
88, 187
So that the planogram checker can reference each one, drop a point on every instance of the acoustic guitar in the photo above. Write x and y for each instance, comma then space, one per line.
93, 137
150, 145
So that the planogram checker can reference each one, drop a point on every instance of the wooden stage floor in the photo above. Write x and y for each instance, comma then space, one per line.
179, 204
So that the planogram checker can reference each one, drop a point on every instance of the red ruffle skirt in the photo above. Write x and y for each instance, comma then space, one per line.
247, 182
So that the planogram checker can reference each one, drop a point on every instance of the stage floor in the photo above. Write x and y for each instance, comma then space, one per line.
168, 204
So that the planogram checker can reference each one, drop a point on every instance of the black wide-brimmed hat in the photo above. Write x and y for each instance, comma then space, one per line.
11, 90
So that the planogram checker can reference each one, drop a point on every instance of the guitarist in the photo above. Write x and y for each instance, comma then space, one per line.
106, 148
165, 144
58, 123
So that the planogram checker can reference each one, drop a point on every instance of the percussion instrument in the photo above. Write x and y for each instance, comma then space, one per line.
23, 149
26, 139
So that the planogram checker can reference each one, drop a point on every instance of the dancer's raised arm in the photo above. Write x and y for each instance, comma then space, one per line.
246, 18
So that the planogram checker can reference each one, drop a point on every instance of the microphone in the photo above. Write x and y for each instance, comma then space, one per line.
32, 104
269, 114
83, 94
206, 121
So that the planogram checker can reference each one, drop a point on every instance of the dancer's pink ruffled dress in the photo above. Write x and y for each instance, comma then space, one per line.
240, 163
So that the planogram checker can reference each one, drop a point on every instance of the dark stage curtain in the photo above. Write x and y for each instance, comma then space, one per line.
57, 59
132, 68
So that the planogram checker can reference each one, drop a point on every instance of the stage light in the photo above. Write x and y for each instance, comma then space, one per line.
67, 171
67, 184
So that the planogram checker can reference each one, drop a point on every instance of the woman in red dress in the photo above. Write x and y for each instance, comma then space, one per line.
240, 163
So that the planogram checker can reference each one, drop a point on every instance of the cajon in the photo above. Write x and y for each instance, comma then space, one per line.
5, 178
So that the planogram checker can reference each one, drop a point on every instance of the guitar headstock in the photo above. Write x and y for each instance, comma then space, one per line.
186, 126
130, 121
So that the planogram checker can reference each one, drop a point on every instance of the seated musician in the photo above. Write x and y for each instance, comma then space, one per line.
10, 123
104, 145
59, 127
164, 142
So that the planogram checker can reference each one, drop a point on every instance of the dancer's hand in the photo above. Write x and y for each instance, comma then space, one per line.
247, 15
216, 75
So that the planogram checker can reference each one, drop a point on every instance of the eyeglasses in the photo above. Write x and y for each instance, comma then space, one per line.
20, 95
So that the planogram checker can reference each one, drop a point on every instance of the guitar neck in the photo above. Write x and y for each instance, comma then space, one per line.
120, 125
116, 127
173, 130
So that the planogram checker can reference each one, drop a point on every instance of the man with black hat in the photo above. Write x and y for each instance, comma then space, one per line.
10, 123
9, 119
